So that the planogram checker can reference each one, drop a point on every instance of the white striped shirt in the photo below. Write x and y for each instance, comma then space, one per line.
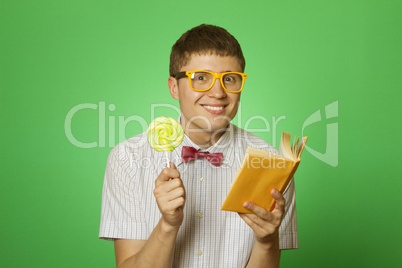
208, 236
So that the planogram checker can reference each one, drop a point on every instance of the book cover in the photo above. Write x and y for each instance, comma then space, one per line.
262, 171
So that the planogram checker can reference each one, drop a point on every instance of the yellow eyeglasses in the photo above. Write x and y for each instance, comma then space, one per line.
200, 80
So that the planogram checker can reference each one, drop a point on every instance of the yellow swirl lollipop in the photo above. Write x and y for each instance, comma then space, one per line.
165, 134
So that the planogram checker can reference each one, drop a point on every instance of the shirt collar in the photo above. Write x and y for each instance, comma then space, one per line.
222, 146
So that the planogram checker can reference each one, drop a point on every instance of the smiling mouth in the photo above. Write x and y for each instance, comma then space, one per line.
214, 108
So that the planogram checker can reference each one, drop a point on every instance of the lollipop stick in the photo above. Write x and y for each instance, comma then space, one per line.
167, 159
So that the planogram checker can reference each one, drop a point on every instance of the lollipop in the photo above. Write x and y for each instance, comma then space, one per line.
165, 134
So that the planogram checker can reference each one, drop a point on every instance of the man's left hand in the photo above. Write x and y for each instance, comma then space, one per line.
264, 223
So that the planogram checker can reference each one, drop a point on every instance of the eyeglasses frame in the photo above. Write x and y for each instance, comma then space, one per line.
219, 76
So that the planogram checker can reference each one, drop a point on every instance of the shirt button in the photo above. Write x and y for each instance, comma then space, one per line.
200, 215
202, 179
199, 253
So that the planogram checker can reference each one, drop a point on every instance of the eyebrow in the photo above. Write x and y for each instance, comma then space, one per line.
215, 72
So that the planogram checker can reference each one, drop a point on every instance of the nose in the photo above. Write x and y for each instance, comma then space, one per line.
217, 91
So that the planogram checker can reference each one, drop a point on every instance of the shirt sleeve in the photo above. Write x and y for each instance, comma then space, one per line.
122, 215
288, 238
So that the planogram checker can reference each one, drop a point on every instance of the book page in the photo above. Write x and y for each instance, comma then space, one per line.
285, 148
294, 150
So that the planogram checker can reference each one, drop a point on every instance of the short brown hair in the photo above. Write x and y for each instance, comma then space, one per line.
204, 39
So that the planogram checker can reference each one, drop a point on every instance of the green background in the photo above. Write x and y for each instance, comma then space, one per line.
300, 57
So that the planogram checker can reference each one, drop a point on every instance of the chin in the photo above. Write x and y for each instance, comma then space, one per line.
221, 125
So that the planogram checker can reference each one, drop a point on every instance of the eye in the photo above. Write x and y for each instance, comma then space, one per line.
230, 78
201, 77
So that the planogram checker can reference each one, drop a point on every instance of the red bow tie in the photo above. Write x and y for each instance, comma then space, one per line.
190, 153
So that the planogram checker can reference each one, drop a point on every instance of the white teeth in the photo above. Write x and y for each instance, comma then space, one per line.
215, 108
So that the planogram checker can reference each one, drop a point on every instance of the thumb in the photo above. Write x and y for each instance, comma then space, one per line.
171, 165
279, 201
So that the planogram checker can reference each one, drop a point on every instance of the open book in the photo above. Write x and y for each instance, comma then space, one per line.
260, 172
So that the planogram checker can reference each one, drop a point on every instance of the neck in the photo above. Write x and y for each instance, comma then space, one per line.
204, 139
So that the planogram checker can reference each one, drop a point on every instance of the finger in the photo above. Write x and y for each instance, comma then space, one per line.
172, 165
175, 193
166, 187
280, 201
250, 220
259, 211
167, 203
176, 203
166, 175
171, 205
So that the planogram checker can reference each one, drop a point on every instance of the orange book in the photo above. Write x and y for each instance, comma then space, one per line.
260, 172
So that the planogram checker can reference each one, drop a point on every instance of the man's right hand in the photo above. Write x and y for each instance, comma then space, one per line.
158, 250
170, 196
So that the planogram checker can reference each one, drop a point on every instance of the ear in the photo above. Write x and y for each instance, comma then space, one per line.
173, 87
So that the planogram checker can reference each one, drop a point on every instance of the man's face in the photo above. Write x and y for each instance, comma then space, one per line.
211, 110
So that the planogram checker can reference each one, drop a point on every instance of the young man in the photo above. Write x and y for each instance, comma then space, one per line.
170, 216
